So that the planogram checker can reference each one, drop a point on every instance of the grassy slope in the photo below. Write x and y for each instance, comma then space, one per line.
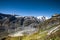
36, 36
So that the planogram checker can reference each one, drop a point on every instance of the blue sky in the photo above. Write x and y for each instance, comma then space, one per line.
30, 7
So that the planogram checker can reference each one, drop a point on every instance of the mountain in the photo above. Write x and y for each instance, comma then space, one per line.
40, 17
27, 20
39, 27
10, 17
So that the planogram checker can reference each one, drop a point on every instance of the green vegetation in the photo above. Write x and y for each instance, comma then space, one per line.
34, 36
40, 35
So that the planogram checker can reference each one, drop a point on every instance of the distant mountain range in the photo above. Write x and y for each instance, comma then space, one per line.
23, 19
40, 17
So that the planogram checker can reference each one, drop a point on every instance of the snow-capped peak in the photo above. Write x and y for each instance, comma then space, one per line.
40, 17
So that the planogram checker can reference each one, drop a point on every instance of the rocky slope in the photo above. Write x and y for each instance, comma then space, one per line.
28, 25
